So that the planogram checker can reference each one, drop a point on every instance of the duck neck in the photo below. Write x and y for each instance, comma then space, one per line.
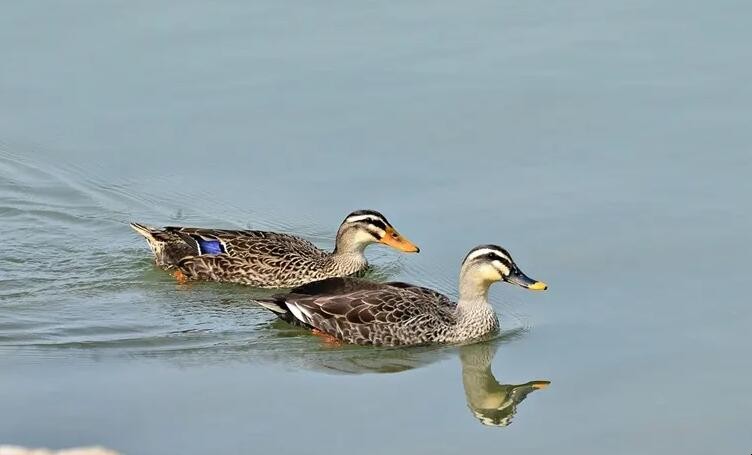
473, 288
473, 309
349, 249
347, 261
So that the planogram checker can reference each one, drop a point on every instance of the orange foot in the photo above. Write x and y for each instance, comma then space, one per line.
180, 277
329, 340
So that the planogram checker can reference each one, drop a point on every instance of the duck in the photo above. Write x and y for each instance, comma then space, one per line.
269, 259
357, 311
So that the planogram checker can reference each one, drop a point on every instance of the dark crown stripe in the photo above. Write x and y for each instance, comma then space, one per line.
370, 216
366, 212
496, 252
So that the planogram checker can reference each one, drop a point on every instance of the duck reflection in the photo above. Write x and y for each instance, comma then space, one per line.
492, 403
245, 338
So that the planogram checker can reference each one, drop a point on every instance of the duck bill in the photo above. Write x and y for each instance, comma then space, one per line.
520, 279
399, 243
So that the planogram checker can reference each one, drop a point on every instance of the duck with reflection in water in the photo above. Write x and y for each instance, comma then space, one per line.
401, 314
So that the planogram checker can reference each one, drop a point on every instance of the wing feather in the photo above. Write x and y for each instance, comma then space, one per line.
370, 316
249, 243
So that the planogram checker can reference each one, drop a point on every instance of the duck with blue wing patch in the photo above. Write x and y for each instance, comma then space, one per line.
269, 259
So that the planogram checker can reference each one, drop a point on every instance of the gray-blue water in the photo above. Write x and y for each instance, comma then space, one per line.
605, 144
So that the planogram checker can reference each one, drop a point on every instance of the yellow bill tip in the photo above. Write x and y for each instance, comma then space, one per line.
538, 286
541, 385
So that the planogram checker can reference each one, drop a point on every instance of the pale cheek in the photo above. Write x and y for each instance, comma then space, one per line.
362, 237
490, 274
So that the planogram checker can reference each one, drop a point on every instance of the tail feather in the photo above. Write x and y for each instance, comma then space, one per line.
157, 243
146, 231
272, 305
276, 304
170, 245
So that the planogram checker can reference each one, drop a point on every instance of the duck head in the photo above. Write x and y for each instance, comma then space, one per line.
365, 227
487, 264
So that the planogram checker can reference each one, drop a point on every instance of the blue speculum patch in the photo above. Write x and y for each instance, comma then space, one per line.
210, 246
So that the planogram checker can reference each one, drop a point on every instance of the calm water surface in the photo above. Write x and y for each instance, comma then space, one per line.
607, 146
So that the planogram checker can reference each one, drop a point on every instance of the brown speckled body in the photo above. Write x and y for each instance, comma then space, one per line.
389, 314
270, 259
399, 314
255, 258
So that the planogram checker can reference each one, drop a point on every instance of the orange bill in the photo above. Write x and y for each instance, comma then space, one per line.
396, 241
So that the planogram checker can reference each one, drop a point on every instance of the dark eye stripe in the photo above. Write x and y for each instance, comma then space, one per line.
495, 257
376, 235
506, 263
378, 223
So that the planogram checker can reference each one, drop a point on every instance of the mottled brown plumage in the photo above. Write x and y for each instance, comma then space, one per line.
392, 314
268, 259
364, 312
